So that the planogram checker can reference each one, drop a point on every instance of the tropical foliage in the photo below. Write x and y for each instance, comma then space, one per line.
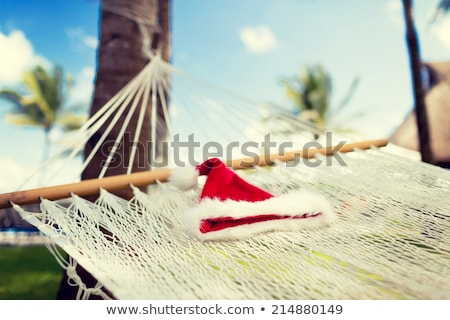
310, 94
442, 8
43, 103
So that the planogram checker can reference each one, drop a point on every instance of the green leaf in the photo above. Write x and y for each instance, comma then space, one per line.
71, 121
21, 120
33, 85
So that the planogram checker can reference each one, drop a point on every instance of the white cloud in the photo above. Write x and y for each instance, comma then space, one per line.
17, 56
12, 174
18, 176
394, 6
78, 35
90, 41
82, 91
258, 39
441, 32
394, 9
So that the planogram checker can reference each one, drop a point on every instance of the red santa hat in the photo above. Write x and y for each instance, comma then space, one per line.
231, 208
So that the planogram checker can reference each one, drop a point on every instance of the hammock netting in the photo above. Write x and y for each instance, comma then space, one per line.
391, 239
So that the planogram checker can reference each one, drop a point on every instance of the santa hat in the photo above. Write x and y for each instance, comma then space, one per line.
232, 208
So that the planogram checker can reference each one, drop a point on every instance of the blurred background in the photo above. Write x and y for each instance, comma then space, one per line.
352, 56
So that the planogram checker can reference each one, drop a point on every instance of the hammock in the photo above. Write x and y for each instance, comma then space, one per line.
390, 240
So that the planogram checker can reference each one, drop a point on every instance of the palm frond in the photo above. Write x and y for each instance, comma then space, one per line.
13, 97
32, 84
310, 92
21, 119
71, 121
442, 8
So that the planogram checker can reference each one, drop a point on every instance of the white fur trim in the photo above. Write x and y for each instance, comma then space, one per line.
291, 204
184, 178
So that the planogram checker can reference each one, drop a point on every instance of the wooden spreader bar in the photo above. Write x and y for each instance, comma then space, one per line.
140, 179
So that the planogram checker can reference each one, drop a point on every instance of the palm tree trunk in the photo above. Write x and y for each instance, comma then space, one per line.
164, 23
120, 58
45, 154
419, 95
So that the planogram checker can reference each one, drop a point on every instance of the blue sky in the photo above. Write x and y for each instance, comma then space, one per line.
244, 46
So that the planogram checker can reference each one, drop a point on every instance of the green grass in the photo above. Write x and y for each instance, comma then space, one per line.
28, 273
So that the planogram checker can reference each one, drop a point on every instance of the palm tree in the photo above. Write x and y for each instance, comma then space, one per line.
418, 89
123, 35
43, 104
310, 94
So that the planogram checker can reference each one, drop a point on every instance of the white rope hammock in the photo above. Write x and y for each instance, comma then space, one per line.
391, 239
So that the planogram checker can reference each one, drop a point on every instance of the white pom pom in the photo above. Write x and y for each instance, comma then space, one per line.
184, 178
